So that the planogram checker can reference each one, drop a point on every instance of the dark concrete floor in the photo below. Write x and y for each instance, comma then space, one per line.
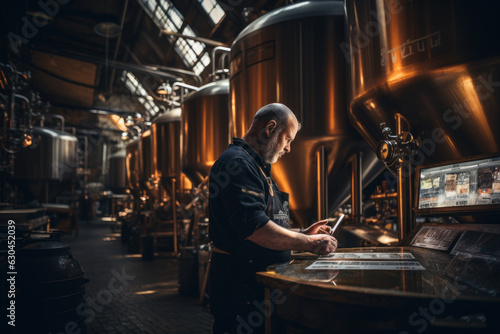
128, 295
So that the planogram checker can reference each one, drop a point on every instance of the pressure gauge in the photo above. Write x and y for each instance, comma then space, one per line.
386, 150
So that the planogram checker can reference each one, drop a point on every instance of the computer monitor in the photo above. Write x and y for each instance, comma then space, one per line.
469, 185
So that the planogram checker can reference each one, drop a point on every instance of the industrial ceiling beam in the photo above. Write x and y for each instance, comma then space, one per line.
166, 68
147, 69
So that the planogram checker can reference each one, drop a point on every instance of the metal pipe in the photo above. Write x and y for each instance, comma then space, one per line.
70, 129
174, 213
180, 71
12, 108
183, 85
104, 167
357, 186
223, 60
59, 117
214, 52
125, 7
322, 190
404, 186
194, 38
22, 97
166, 68
384, 196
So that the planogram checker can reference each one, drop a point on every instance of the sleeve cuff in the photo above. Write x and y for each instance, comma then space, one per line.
258, 219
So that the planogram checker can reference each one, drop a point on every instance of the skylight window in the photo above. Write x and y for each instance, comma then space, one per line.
167, 17
213, 10
135, 87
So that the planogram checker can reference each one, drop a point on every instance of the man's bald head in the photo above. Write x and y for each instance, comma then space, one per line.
274, 111
273, 129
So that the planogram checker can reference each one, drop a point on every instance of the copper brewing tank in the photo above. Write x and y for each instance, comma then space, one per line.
165, 148
430, 68
205, 129
433, 62
149, 177
133, 166
291, 56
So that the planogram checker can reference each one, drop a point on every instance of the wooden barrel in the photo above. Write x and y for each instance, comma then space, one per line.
49, 289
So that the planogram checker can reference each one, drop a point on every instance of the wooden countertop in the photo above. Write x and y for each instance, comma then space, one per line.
390, 287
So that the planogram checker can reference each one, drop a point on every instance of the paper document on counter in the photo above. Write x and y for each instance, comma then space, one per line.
366, 265
369, 256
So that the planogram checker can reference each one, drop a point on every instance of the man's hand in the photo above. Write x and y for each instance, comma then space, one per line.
318, 228
322, 244
275, 237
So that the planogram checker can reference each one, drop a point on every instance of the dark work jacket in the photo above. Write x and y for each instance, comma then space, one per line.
240, 202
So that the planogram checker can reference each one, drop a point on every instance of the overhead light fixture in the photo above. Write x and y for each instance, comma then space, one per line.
107, 29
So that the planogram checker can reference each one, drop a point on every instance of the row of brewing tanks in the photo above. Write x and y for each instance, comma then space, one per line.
379, 87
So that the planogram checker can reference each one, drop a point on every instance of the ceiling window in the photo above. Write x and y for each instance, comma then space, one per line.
213, 10
135, 87
167, 17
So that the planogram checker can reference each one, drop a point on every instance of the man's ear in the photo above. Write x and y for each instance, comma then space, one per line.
270, 127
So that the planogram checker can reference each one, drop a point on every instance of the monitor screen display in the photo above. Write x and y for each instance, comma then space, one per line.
461, 184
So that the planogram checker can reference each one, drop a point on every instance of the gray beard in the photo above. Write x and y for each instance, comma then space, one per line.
271, 153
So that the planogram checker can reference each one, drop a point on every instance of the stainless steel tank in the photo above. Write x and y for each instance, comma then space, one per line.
205, 129
433, 62
54, 158
291, 56
46, 169
117, 171
133, 166
165, 147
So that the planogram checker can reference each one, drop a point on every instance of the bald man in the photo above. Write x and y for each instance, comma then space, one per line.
249, 221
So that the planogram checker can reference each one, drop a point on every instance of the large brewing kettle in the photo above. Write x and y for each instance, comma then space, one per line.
149, 179
291, 56
205, 129
433, 82
133, 166
165, 147
439, 76
46, 167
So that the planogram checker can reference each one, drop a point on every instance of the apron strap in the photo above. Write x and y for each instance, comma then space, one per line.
268, 179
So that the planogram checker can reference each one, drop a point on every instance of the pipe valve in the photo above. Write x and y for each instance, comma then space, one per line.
395, 147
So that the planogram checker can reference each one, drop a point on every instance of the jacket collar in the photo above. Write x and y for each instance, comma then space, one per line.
241, 143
